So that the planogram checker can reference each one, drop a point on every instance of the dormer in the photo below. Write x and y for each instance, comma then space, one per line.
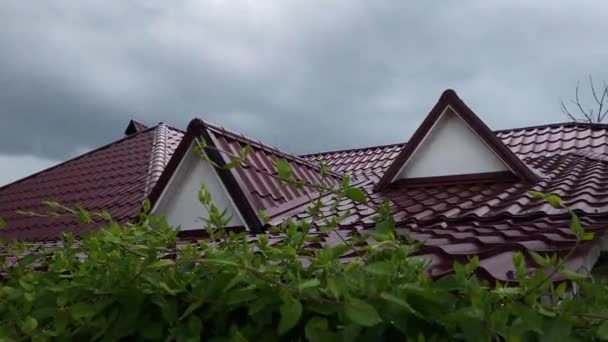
451, 145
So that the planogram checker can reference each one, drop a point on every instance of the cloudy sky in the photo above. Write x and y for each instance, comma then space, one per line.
301, 75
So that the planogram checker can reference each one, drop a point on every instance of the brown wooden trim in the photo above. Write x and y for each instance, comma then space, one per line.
198, 234
236, 188
500, 176
450, 98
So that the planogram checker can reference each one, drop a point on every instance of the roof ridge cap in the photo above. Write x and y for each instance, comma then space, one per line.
557, 124
103, 147
158, 157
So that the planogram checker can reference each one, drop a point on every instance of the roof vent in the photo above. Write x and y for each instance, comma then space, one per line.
134, 127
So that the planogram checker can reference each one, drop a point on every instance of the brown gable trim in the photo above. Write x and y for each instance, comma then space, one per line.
199, 234
450, 98
485, 177
235, 188
233, 182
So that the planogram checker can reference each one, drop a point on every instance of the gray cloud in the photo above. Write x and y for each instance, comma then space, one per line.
301, 75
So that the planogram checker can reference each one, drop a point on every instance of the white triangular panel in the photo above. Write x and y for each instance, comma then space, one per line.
451, 148
179, 201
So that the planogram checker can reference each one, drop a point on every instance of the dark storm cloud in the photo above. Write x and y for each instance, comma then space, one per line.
304, 76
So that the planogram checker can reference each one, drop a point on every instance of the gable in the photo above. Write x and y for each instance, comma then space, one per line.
452, 141
451, 148
179, 200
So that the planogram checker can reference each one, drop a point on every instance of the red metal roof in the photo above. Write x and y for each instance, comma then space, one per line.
581, 179
116, 177
489, 219
459, 220
258, 174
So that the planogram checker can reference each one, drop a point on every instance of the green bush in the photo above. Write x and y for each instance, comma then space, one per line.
140, 281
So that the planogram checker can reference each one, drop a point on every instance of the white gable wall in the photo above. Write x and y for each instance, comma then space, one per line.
179, 201
451, 147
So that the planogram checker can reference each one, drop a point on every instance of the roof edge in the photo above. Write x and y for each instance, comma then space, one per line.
79, 156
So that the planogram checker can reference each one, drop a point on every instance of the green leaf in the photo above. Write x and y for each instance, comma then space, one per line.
398, 301
379, 268
556, 330
191, 331
361, 313
587, 236
555, 201
105, 215
2, 223
356, 195
29, 325
162, 263
291, 311
309, 284
283, 168
82, 310
151, 329
539, 259
204, 196
560, 291
575, 224
345, 182
193, 306
146, 205
317, 330
323, 168
507, 291
83, 216
238, 337
384, 226
573, 275
536, 194
52, 204
602, 332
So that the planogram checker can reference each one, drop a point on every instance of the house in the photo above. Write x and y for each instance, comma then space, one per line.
456, 186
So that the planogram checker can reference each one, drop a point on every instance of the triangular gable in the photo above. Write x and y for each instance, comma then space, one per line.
174, 194
252, 186
453, 142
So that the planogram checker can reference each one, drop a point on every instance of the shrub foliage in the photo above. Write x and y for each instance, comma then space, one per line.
140, 281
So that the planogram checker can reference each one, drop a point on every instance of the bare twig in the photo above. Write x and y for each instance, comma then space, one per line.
597, 113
